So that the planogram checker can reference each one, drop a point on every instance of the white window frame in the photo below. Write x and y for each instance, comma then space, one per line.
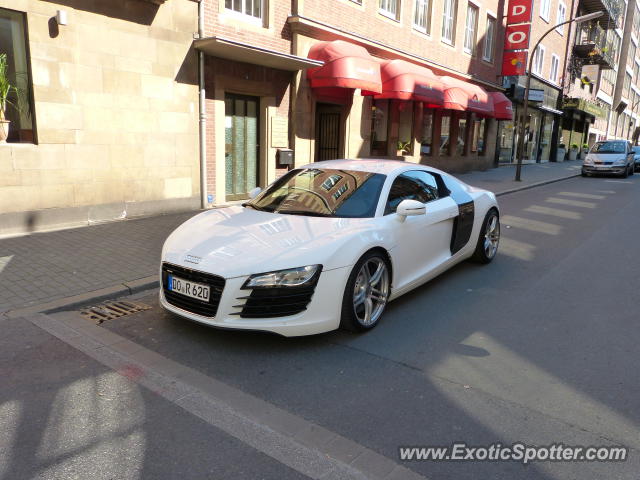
559, 19
538, 60
471, 29
422, 10
545, 9
491, 42
555, 68
449, 10
248, 16
384, 9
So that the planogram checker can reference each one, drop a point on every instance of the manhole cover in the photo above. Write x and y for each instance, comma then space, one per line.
111, 310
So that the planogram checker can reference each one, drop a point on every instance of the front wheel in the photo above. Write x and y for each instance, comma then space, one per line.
366, 294
489, 238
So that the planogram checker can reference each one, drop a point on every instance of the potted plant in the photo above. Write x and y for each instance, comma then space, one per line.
573, 153
561, 153
5, 90
403, 148
585, 149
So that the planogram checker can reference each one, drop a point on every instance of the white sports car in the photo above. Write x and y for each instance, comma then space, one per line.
325, 246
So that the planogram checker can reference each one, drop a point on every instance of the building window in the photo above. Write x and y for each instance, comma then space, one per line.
445, 128
426, 139
471, 29
545, 7
562, 13
13, 45
389, 8
380, 127
489, 39
626, 86
462, 135
636, 72
555, 63
449, 21
422, 16
538, 60
359, 2
252, 8
631, 56
636, 22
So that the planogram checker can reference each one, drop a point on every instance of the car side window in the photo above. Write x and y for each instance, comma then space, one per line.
414, 185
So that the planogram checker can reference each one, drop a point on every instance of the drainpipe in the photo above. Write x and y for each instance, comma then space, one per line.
204, 203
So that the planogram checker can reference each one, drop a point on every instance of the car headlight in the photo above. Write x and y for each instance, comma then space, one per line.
621, 161
588, 160
292, 277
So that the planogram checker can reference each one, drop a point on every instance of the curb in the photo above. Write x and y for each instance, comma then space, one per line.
131, 287
124, 289
534, 185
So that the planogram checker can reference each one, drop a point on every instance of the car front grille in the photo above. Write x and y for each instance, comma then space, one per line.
277, 302
193, 305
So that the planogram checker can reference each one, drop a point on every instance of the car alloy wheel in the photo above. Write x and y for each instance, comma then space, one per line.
371, 291
492, 237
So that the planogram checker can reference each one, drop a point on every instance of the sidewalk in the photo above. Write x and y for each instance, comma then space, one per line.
122, 257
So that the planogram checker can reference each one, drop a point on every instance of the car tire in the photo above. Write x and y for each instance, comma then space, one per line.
632, 170
489, 238
366, 297
584, 174
625, 174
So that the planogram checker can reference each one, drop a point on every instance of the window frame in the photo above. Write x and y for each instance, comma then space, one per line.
492, 43
247, 16
387, 13
547, 4
552, 77
541, 50
427, 5
471, 7
561, 7
446, 18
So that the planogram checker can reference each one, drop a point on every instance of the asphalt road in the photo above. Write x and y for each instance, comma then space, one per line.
538, 347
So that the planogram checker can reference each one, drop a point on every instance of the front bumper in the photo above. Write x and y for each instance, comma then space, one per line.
604, 169
322, 313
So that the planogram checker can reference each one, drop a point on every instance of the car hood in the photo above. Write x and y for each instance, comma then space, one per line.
606, 157
237, 241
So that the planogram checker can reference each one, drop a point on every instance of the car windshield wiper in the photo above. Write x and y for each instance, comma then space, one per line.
306, 213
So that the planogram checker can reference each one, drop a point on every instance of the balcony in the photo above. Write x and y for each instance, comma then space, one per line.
613, 11
592, 46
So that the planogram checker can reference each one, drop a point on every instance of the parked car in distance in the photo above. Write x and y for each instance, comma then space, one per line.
636, 158
327, 245
609, 157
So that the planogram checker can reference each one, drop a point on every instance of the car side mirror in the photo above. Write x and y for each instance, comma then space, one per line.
408, 208
255, 192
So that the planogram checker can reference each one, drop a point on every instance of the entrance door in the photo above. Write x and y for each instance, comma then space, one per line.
328, 118
242, 151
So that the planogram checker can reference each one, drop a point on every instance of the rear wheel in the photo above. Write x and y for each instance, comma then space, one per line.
625, 174
489, 238
367, 292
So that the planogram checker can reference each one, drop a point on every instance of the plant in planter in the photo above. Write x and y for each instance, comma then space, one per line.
573, 153
403, 148
6, 88
561, 153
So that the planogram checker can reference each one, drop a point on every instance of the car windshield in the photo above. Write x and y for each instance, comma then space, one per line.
636, 149
322, 192
608, 147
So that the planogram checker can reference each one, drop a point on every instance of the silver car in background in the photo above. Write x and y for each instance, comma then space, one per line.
609, 157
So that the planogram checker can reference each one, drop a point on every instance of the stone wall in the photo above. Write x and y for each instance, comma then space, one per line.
116, 111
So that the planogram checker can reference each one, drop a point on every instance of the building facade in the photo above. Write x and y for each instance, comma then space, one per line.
108, 120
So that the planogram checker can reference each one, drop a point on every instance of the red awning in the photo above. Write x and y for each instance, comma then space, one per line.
502, 107
465, 96
346, 65
404, 80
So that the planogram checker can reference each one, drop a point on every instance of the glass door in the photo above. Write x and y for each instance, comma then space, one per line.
242, 151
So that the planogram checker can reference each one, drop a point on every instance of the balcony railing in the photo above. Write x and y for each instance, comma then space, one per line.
613, 11
592, 45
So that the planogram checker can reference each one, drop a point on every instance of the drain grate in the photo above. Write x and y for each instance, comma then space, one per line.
111, 310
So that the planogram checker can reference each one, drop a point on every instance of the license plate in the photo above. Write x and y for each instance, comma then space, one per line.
187, 288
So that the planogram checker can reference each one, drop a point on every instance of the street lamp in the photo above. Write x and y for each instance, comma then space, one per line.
520, 146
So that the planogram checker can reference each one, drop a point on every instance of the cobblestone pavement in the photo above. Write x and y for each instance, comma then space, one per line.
42, 267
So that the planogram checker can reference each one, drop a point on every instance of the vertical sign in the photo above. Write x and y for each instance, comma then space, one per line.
519, 11
514, 63
517, 37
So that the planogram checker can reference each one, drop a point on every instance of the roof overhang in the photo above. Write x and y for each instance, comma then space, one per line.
242, 52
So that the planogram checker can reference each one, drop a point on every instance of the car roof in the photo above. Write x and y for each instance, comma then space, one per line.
372, 165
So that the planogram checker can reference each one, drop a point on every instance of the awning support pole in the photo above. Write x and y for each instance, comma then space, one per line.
204, 202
